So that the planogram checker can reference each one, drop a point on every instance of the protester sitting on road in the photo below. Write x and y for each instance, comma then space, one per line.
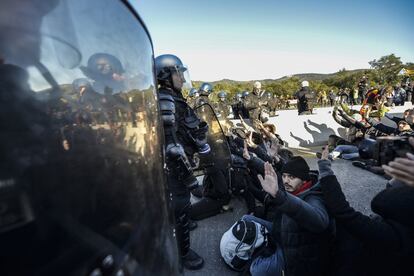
388, 240
353, 123
297, 220
408, 116
352, 151
403, 128
347, 152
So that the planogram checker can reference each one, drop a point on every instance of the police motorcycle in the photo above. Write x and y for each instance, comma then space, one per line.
82, 186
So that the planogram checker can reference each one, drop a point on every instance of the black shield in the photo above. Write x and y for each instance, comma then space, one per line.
82, 185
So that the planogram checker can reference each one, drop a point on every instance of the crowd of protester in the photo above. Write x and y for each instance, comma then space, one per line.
298, 221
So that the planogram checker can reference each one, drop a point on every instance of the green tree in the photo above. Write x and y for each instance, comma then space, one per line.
386, 69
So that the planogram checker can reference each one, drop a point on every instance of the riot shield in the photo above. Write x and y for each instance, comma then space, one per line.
219, 155
82, 186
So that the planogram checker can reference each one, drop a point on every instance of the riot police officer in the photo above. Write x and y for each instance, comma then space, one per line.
192, 97
223, 110
305, 97
237, 105
221, 107
243, 109
205, 90
106, 71
185, 135
255, 103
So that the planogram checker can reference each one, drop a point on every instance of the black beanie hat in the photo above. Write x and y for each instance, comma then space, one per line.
297, 167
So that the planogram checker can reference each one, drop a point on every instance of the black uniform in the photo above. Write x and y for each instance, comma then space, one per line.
362, 89
305, 98
255, 103
182, 129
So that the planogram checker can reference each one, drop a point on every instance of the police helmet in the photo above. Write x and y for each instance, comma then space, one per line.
166, 64
78, 84
206, 89
193, 92
245, 94
103, 65
222, 94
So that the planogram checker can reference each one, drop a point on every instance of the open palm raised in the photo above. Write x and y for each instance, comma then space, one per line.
269, 182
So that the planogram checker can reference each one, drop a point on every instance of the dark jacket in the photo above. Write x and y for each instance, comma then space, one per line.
304, 230
254, 103
305, 98
395, 119
388, 240
390, 130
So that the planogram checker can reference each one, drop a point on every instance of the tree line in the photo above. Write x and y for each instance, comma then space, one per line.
384, 71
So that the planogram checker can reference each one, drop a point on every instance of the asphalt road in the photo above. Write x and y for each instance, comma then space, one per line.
358, 185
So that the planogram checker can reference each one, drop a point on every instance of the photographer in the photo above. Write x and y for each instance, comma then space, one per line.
389, 236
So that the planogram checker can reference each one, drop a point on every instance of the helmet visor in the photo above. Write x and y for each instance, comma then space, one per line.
186, 77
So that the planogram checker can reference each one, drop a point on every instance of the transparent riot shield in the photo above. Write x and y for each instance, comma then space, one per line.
219, 155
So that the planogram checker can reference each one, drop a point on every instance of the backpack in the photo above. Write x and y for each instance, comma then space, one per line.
240, 241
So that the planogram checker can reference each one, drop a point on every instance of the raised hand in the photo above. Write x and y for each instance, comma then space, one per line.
249, 140
273, 150
269, 182
325, 153
246, 154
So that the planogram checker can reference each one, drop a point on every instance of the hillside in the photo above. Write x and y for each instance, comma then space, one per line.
303, 76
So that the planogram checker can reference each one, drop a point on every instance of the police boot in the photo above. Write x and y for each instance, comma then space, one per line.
189, 258
192, 225
192, 260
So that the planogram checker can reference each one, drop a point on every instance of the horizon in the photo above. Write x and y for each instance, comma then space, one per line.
244, 40
286, 76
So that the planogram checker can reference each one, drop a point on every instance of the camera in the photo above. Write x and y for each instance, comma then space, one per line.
391, 147
385, 149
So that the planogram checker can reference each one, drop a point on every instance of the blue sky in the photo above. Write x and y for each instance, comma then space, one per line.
249, 40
